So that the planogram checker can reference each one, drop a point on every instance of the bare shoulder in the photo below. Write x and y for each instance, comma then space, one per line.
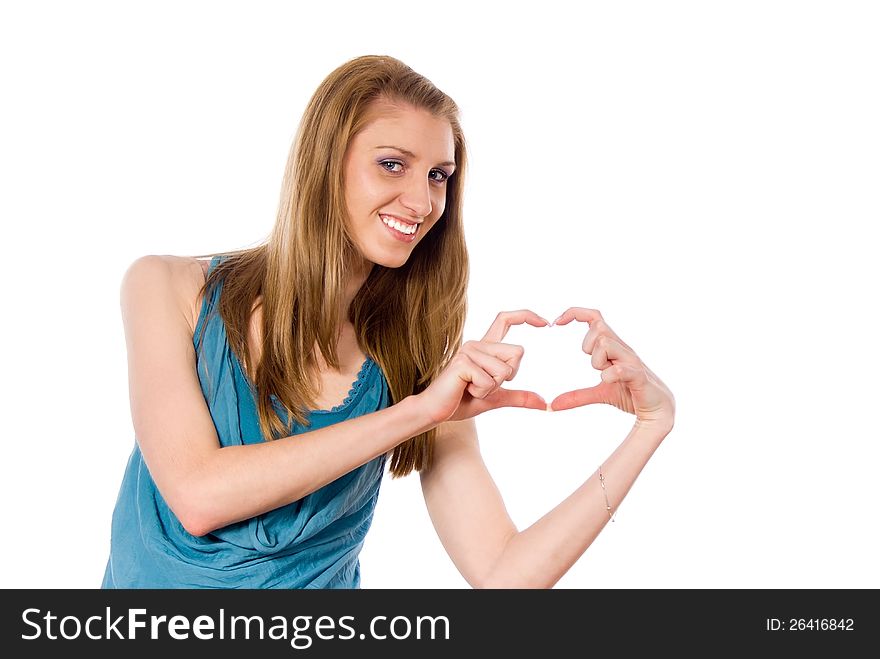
177, 279
169, 412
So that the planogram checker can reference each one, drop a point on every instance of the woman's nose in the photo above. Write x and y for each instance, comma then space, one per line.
416, 196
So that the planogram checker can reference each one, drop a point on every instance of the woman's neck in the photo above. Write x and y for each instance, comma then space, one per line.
356, 276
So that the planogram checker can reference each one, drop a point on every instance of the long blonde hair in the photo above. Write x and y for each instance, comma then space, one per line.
409, 320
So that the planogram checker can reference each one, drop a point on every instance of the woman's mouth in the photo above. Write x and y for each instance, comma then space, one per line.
401, 231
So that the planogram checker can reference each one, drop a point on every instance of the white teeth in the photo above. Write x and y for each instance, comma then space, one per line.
399, 226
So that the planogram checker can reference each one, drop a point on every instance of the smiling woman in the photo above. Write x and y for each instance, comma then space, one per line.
271, 387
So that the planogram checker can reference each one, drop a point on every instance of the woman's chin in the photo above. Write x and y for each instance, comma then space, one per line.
391, 263
389, 260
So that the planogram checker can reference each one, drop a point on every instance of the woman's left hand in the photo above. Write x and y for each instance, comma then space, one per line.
627, 383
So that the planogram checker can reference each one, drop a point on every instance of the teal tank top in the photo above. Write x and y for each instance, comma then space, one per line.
310, 543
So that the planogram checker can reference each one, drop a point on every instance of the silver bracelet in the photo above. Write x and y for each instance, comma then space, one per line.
605, 492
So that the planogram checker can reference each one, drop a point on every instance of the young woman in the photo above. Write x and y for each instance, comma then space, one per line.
270, 385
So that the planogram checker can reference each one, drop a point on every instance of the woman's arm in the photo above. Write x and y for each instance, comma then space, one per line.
473, 524
208, 486
469, 514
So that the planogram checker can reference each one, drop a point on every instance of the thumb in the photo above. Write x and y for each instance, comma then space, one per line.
502, 397
579, 397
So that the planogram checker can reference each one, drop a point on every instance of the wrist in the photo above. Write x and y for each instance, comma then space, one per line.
653, 429
415, 414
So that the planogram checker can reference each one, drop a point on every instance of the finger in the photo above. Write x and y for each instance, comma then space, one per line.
597, 329
516, 398
578, 398
509, 353
633, 377
597, 323
580, 314
608, 351
507, 319
499, 370
480, 383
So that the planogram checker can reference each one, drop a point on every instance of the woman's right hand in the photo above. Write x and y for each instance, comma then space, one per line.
471, 382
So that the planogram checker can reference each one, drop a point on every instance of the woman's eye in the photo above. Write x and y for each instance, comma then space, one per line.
436, 175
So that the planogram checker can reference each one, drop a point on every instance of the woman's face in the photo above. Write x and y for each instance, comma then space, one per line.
395, 181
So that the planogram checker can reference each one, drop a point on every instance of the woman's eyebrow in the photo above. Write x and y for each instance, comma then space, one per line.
409, 153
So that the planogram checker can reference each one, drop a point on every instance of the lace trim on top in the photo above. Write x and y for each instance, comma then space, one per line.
353, 392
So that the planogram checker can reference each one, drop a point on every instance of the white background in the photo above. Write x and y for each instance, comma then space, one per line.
704, 173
